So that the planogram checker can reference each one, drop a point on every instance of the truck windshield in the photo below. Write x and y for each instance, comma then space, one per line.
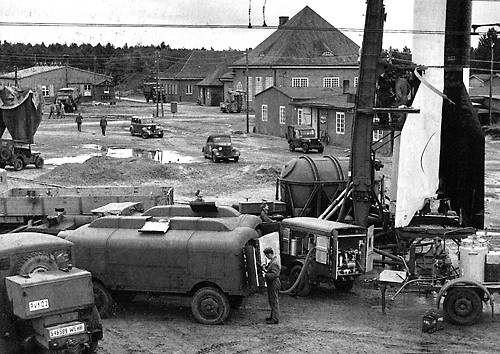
222, 139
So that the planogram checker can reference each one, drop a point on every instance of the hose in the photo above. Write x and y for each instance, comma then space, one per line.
302, 273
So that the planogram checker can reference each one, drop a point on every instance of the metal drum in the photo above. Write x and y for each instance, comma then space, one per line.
308, 185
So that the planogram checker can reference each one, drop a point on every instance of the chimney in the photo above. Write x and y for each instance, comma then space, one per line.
283, 20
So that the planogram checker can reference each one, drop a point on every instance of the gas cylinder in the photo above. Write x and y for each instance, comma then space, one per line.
473, 252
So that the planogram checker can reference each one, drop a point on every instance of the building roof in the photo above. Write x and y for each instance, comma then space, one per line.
314, 97
199, 64
306, 39
36, 70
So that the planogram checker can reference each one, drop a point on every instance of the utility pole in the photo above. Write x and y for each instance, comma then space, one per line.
95, 78
66, 57
491, 82
248, 93
157, 84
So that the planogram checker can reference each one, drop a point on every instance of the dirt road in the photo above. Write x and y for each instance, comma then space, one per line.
325, 322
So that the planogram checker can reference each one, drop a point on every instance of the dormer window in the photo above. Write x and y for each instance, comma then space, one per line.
327, 54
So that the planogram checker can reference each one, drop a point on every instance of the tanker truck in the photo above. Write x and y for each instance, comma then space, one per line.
21, 115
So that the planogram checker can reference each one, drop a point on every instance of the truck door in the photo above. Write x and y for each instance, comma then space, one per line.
270, 240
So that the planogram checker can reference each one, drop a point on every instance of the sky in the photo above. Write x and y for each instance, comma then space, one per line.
217, 24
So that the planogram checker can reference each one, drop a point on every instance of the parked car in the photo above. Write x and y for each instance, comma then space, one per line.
220, 147
304, 137
145, 127
198, 251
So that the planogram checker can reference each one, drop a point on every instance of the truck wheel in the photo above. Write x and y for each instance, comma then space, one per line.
320, 150
160, 135
305, 148
18, 164
144, 135
344, 285
103, 300
210, 306
39, 162
303, 288
35, 262
215, 158
291, 146
236, 159
462, 306
131, 131
5, 153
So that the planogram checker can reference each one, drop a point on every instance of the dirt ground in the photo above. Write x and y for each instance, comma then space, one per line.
327, 321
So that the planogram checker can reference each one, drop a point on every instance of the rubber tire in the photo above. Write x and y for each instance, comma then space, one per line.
462, 306
144, 135
103, 300
320, 150
35, 262
131, 131
39, 162
305, 148
5, 153
291, 146
236, 159
304, 288
215, 158
210, 306
344, 285
18, 164
160, 135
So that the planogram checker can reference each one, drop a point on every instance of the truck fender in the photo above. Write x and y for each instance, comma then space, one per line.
464, 282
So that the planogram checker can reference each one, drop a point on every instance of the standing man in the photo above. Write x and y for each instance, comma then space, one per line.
78, 121
272, 274
103, 123
52, 111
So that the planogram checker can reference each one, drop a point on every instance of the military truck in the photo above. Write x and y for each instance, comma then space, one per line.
70, 97
46, 305
21, 115
186, 250
150, 92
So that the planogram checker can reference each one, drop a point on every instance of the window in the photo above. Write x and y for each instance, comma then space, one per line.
356, 81
282, 115
377, 135
340, 122
269, 82
300, 116
250, 88
331, 82
106, 90
264, 112
300, 82
239, 86
189, 89
87, 90
258, 85
45, 91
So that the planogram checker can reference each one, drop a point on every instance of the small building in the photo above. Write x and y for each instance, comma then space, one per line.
92, 86
181, 79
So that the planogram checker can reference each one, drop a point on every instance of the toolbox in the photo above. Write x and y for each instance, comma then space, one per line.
432, 322
46, 293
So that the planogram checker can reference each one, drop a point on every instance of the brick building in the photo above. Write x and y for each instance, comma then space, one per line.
304, 52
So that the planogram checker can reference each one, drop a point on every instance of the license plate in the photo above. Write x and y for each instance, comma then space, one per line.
39, 305
66, 331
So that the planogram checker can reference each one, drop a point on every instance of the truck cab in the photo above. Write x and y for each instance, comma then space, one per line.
45, 303
70, 97
211, 259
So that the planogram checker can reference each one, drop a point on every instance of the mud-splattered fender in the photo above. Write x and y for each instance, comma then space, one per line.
465, 282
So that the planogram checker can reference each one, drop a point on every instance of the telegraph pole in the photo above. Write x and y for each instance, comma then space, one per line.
246, 80
491, 82
157, 84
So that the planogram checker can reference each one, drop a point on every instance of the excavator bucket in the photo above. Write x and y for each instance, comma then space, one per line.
20, 112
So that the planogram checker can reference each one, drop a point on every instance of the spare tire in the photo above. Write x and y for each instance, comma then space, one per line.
35, 262
5, 153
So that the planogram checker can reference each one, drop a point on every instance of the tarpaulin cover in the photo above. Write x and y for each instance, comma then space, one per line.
20, 112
